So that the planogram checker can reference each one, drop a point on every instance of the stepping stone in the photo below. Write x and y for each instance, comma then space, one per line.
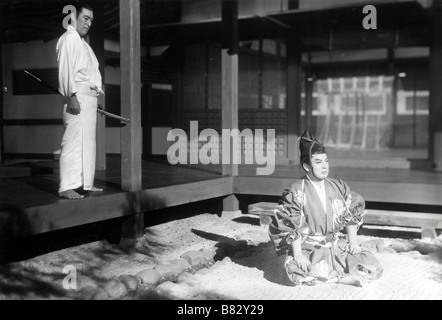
170, 290
92, 293
426, 248
166, 270
149, 276
185, 277
131, 282
254, 237
202, 272
181, 265
208, 254
400, 245
115, 288
194, 258
436, 254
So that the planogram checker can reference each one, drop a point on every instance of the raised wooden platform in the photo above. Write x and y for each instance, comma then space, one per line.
29, 203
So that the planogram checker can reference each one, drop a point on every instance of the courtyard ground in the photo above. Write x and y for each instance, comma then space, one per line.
207, 257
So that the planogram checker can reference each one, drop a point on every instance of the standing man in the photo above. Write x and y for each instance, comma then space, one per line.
80, 83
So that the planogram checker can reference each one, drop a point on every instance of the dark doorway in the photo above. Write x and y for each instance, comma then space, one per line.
157, 119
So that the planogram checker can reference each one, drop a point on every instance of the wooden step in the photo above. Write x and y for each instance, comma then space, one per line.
403, 219
378, 217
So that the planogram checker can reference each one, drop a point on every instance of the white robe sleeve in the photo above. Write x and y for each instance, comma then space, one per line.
68, 65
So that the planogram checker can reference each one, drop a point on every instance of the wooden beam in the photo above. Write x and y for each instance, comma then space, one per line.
293, 97
96, 40
131, 147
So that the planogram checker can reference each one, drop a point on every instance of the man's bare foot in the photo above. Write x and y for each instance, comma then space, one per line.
70, 194
95, 189
348, 279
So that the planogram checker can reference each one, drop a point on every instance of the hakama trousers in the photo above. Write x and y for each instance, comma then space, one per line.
78, 146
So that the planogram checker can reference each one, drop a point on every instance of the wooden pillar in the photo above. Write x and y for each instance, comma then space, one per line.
309, 104
260, 71
177, 87
131, 148
293, 4
206, 75
309, 98
414, 108
229, 121
293, 97
146, 114
2, 136
96, 41
392, 113
229, 75
229, 92
435, 107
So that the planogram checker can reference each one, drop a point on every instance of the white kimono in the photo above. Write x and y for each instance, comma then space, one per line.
78, 73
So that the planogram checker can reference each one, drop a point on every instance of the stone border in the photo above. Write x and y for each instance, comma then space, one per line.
151, 278
156, 281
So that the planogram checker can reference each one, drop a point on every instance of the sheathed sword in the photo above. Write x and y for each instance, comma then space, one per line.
105, 113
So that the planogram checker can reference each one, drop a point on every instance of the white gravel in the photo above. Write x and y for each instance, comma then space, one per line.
250, 272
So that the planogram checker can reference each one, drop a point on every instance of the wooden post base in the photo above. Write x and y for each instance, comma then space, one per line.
231, 214
231, 207
428, 234
133, 226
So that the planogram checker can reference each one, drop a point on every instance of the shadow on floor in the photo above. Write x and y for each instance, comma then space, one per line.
261, 256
